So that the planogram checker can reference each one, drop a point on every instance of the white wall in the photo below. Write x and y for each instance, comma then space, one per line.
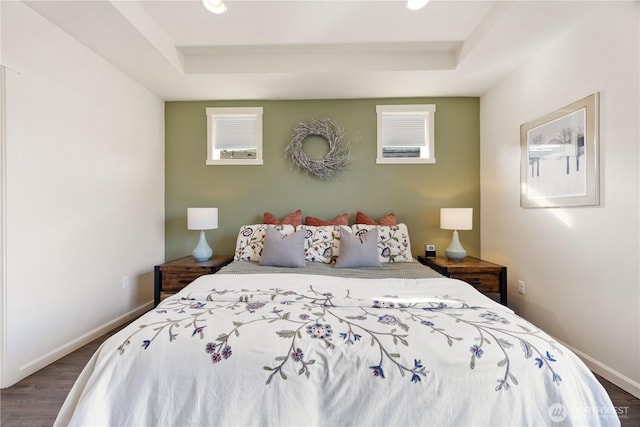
84, 193
580, 264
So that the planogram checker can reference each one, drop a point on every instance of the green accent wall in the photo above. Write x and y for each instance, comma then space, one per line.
415, 193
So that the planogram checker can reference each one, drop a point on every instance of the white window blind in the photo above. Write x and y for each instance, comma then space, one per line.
235, 133
404, 130
406, 133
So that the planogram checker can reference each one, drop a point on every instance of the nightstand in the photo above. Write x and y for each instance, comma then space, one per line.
485, 276
173, 276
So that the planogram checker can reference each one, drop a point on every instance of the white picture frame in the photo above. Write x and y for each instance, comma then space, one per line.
560, 157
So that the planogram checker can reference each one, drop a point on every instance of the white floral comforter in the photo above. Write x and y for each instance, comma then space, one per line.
293, 349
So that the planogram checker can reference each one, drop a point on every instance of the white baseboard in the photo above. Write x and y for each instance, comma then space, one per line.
58, 353
609, 374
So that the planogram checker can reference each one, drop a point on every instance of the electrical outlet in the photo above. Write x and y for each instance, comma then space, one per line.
522, 287
125, 282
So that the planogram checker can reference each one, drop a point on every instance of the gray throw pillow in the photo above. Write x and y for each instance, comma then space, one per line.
283, 251
358, 251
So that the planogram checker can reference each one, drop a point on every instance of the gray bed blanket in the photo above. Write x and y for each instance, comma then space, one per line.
400, 270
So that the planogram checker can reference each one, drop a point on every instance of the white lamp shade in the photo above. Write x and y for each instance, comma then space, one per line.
456, 218
202, 218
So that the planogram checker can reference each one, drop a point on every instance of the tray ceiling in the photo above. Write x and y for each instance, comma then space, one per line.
314, 49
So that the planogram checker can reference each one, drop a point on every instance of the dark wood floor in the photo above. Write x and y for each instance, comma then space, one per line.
36, 400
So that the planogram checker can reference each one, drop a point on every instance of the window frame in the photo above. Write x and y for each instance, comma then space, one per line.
214, 112
429, 111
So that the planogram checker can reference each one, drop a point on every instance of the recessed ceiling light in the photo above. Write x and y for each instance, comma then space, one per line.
215, 6
416, 4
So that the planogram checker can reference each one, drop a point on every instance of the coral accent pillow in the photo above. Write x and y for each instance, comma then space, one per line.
317, 222
294, 219
389, 219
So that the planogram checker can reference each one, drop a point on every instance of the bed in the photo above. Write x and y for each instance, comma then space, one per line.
318, 345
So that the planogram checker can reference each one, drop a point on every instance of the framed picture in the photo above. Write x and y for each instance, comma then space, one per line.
560, 165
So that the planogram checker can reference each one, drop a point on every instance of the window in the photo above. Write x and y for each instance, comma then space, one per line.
406, 133
234, 136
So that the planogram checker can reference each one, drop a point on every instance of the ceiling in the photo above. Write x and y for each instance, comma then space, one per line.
310, 49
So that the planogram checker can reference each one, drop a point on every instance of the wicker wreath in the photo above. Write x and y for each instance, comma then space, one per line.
338, 157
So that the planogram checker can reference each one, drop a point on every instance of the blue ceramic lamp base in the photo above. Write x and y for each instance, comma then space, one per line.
202, 251
455, 251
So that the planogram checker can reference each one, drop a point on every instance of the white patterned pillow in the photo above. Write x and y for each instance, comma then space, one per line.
393, 241
322, 243
250, 242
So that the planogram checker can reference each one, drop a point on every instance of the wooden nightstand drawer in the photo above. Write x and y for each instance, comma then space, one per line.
485, 276
171, 277
173, 282
484, 282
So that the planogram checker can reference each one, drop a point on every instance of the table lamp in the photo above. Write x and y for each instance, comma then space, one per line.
456, 219
202, 219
